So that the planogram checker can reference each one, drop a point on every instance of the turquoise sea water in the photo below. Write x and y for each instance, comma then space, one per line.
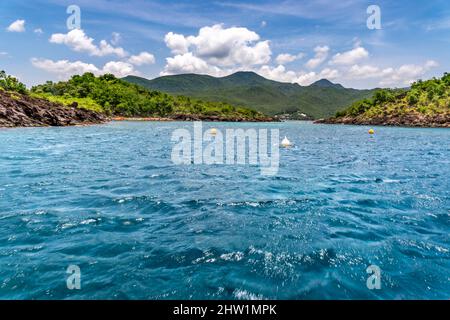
108, 199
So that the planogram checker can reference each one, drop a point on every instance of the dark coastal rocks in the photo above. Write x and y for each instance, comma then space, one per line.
413, 119
17, 110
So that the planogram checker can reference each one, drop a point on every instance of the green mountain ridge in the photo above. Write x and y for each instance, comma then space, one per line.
248, 89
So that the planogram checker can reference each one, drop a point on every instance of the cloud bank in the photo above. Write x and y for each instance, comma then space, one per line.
219, 51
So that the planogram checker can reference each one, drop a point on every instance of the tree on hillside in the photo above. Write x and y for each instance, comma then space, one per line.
10, 83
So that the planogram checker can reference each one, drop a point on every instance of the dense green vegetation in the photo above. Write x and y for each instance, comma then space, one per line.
321, 99
120, 98
10, 83
428, 98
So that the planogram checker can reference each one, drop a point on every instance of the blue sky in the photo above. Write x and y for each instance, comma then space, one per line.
291, 41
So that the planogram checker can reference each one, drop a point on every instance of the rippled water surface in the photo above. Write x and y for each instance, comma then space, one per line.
108, 199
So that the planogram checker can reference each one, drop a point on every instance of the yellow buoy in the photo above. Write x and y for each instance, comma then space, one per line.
371, 131
213, 131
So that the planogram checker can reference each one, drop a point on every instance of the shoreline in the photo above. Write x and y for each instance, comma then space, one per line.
192, 118
145, 119
126, 119
411, 121
152, 119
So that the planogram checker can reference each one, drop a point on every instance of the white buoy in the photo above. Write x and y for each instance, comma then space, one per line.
286, 143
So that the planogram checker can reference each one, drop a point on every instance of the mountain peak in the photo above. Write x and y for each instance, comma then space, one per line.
246, 78
325, 83
245, 75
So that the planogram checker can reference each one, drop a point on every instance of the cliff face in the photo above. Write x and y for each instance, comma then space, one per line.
17, 110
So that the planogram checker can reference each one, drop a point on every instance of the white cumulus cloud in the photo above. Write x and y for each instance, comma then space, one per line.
188, 63
230, 46
350, 57
78, 41
286, 58
401, 76
407, 74
65, 68
216, 50
329, 74
321, 54
367, 71
119, 68
177, 43
17, 26
142, 59
280, 73
308, 78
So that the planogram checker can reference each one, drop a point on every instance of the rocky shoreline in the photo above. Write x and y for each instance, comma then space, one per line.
406, 120
191, 117
200, 117
18, 110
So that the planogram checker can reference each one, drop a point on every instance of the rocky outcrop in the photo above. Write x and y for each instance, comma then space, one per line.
413, 119
17, 110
